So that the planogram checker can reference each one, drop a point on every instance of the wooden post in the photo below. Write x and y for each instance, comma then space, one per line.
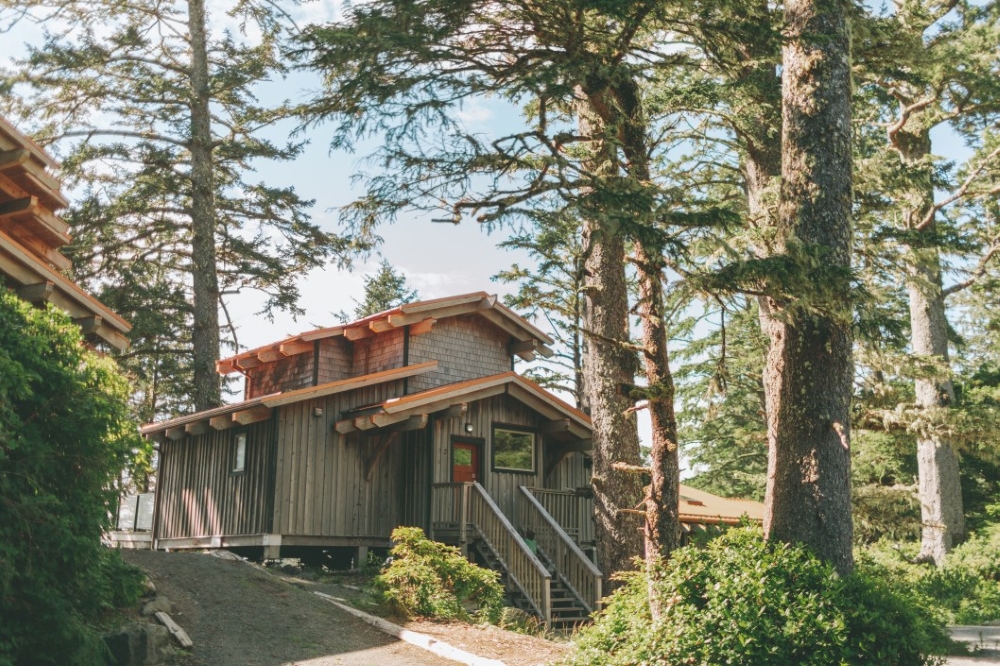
362, 557
464, 517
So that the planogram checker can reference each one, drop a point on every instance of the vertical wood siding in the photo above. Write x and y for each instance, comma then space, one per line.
569, 474
320, 485
502, 486
200, 496
465, 347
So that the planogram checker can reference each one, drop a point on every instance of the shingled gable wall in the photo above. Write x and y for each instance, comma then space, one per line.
466, 347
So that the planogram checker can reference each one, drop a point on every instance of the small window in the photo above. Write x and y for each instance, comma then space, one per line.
513, 450
240, 459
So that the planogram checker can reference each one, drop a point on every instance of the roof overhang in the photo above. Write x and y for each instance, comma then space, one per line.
37, 282
564, 421
259, 409
420, 317
698, 506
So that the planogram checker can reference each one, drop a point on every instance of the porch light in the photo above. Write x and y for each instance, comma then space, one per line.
469, 428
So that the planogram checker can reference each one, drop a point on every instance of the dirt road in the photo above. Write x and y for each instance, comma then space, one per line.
239, 615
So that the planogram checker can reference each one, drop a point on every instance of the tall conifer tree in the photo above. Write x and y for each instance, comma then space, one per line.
153, 106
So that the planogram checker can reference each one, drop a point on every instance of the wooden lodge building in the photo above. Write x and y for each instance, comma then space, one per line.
413, 416
31, 234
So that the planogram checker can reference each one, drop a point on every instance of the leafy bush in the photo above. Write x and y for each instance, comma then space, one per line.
966, 590
65, 433
742, 600
429, 579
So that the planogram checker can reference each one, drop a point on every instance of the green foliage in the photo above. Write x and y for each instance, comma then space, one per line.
385, 290
115, 95
65, 434
741, 600
429, 579
966, 590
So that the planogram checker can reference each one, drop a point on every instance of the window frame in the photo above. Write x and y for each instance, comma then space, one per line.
520, 429
239, 437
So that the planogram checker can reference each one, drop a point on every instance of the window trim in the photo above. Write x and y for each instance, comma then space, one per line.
237, 437
527, 430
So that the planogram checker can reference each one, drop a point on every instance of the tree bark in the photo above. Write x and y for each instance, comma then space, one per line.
809, 364
939, 482
205, 282
662, 528
609, 367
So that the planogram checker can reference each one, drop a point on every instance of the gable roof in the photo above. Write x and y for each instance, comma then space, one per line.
31, 235
562, 416
423, 313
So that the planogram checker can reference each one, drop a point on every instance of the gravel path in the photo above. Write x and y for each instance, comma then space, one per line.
987, 639
240, 615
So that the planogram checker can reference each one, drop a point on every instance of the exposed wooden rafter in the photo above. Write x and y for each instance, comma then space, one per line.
222, 422
295, 347
198, 427
252, 415
37, 293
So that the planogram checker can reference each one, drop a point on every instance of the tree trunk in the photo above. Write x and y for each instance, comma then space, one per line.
941, 510
662, 529
609, 367
662, 532
205, 282
809, 363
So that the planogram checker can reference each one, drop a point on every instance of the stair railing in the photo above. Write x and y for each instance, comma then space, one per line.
468, 508
524, 569
574, 568
573, 512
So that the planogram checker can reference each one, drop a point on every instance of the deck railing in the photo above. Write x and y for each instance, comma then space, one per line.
573, 512
571, 564
470, 508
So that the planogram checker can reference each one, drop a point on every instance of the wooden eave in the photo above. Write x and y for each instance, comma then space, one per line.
437, 399
420, 315
253, 409
24, 269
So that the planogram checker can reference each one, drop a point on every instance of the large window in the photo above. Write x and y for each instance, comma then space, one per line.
513, 449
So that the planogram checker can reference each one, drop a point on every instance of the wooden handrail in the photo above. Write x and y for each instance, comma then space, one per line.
575, 569
469, 504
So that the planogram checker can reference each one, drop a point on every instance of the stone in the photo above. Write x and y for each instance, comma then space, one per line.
139, 645
149, 590
157, 604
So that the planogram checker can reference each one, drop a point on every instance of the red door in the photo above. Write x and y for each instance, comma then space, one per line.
464, 462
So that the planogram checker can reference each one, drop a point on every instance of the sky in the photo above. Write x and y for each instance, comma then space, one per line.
437, 259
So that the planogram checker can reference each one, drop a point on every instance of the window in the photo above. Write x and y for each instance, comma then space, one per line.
240, 458
513, 450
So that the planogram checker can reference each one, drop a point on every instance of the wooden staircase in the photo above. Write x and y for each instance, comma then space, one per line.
561, 596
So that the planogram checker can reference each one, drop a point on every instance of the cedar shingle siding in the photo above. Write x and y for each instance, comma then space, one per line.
466, 347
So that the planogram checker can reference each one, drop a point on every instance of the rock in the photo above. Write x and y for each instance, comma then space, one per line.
157, 604
290, 569
139, 645
148, 589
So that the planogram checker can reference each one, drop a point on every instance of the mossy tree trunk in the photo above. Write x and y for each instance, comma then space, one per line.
939, 482
205, 280
809, 365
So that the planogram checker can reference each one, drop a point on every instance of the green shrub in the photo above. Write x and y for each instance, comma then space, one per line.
741, 600
966, 590
431, 580
65, 435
